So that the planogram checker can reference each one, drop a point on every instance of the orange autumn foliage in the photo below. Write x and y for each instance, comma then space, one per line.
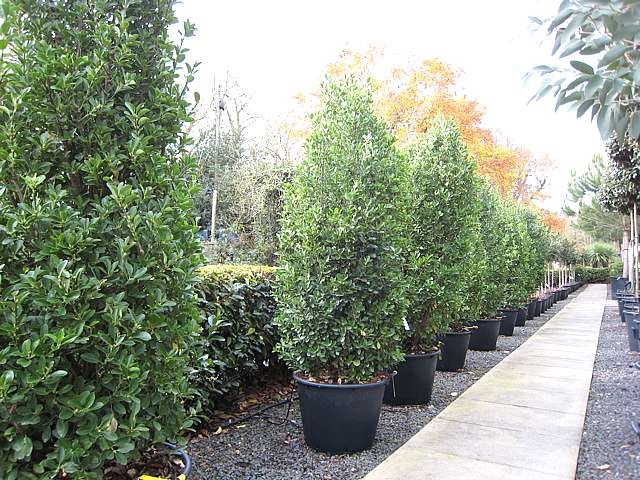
554, 221
410, 98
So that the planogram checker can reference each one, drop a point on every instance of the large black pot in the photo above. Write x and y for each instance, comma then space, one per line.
617, 285
522, 317
485, 336
339, 418
508, 322
413, 383
538, 307
453, 351
626, 301
531, 310
631, 319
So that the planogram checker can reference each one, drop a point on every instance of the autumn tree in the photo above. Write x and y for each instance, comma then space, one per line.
410, 97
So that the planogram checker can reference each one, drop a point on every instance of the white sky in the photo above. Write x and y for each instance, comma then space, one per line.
277, 48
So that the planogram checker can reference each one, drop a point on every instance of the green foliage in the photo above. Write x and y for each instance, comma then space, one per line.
444, 208
518, 252
493, 223
561, 250
98, 253
616, 268
534, 270
238, 334
621, 188
591, 274
600, 254
586, 209
603, 35
340, 283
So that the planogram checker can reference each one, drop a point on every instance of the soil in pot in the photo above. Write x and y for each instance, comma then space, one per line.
453, 351
485, 336
339, 418
413, 383
522, 317
508, 321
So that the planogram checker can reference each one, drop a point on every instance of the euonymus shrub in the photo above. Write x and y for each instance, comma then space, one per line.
340, 284
444, 206
493, 223
97, 244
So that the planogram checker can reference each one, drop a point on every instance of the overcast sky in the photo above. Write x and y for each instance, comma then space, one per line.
278, 48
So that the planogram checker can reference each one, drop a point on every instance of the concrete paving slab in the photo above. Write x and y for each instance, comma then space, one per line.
542, 371
521, 420
512, 417
420, 464
552, 455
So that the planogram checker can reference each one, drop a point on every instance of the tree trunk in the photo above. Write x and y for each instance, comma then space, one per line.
624, 253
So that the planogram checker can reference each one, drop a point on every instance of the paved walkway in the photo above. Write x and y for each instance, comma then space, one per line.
523, 419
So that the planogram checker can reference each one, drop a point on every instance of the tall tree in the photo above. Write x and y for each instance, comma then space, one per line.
582, 204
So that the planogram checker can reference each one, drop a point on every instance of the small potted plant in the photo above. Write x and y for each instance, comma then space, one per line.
340, 283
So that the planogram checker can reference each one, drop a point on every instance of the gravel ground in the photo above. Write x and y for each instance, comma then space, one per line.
258, 449
609, 448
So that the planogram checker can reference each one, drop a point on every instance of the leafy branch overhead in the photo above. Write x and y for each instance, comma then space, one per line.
601, 40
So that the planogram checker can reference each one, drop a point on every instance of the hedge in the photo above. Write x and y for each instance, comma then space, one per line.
592, 275
238, 334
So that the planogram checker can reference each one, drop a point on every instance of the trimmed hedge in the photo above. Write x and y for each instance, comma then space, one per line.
592, 275
238, 334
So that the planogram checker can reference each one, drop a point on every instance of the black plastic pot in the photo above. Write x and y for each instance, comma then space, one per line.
453, 351
531, 310
508, 321
538, 307
617, 285
339, 418
631, 319
485, 337
522, 317
627, 301
413, 383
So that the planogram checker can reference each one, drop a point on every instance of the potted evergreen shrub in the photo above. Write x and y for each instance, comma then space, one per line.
441, 185
444, 210
516, 253
538, 232
340, 284
496, 274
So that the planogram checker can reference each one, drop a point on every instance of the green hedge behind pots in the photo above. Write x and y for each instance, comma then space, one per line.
238, 334
592, 275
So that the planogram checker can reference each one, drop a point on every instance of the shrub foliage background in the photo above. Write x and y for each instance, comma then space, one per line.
238, 334
98, 251
340, 282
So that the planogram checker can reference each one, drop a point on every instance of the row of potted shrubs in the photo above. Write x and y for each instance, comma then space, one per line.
239, 337
386, 254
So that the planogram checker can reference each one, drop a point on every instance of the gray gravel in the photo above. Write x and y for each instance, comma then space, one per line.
259, 450
609, 448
